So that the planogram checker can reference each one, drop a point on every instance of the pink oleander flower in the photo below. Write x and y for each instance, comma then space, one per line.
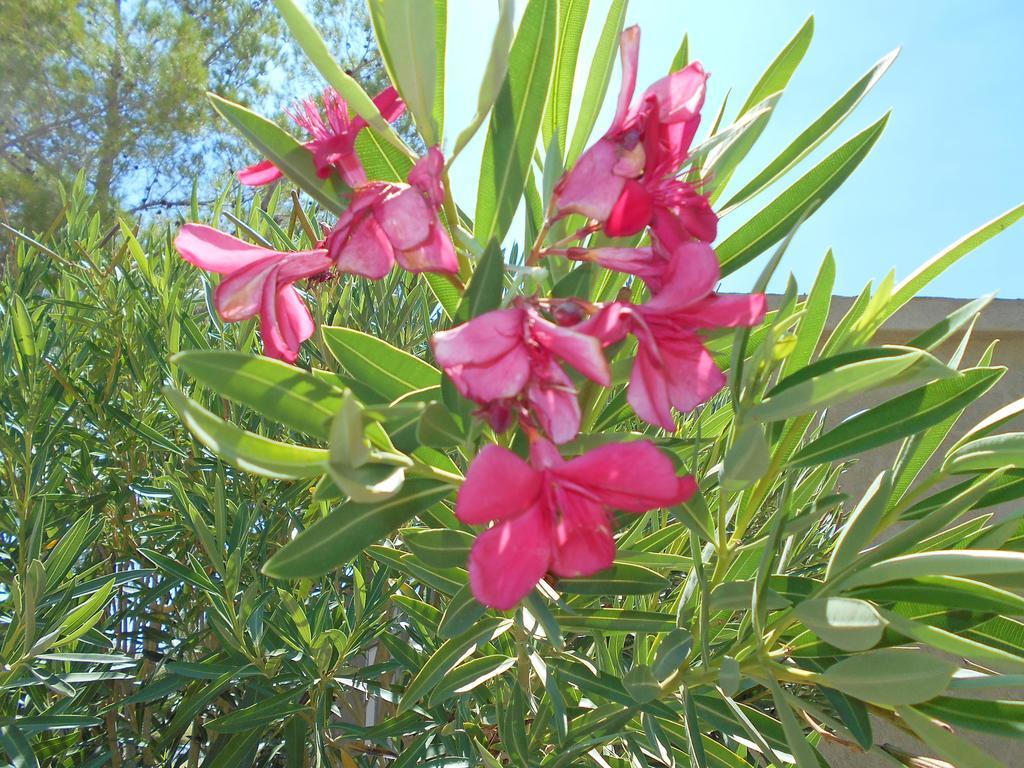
554, 515
333, 139
673, 368
389, 221
627, 180
500, 356
258, 281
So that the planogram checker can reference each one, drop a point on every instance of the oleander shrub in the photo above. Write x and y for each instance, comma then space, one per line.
386, 482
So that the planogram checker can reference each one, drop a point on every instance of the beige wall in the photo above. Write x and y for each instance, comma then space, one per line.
1003, 320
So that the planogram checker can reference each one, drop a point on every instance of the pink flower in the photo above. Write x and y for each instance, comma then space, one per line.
629, 174
501, 355
553, 515
387, 221
673, 368
257, 281
333, 139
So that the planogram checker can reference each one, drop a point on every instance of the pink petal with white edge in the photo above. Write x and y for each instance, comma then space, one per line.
633, 477
648, 390
258, 174
508, 560
552, 398
217, 251
405, 217
498, 486
483, 338
583, 542
689, 277
437, 254
240, 295
579, 350
725, 311
591, 187
680, 95
629, 56
367, 251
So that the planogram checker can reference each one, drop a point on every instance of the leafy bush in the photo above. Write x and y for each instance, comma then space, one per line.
300, 594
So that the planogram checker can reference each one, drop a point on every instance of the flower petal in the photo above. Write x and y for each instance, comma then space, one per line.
680, 95
631, 212
583, 542
690, 275
498, 486
591, 188
629, 55
633, 477
552, 398
648, 389
426, 176
217, 251
483, 338
240, 295
508, 560
367, 250
437, 254
579, 350
726, 311
692, 375
259, 174
405, 216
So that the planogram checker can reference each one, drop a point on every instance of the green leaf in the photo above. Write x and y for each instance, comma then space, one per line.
24, 335
445, 658
747, 459
601, 64
1001, 718
245, 450
948, 642
385, 369
344, 533
971, 562
987, 453
846, 623
438, 429
315, 47
911, 286
469, 675
738, 596
287, 154
279, 391
803, 752
814, 134
439, 547
815, 316
641, 684
953, 322
484, 290
407, 38
572, 17
615, 620
860, 527
462, 612
17, 747
962, 753
260, 714
891, 676
673, 651
515, 121
908, 414
948, 592
622, 578
836, 380
494, 74
776, 219
776, 77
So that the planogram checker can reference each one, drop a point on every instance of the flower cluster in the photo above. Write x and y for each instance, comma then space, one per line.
517, 363
551, 515
384, 222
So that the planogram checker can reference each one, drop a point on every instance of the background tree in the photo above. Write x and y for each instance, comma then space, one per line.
117, 89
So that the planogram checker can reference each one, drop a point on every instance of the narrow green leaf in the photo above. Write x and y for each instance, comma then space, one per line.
776, 219
485, 286
572, 17
344, 533
515, 121
246, 450
387, 370
621, 579
779, 72
970, 562
846, 623
891, 676
987, 453
407, 40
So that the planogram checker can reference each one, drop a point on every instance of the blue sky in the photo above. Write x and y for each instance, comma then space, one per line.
950, 159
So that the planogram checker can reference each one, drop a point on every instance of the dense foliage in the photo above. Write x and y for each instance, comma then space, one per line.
285, 582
